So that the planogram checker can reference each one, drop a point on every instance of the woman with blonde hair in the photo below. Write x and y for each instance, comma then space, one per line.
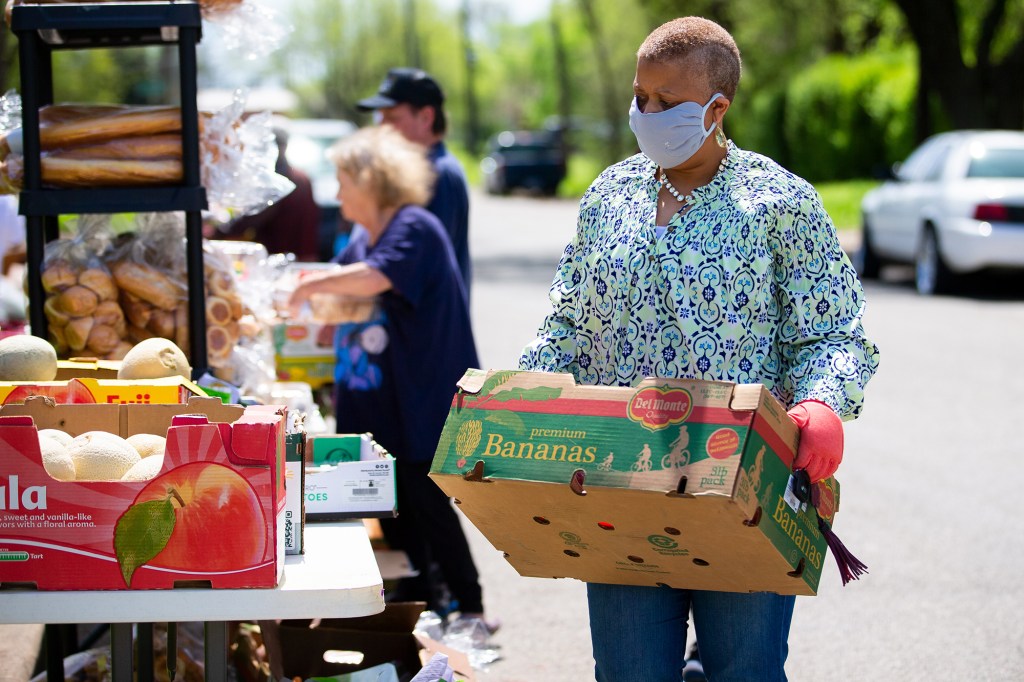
396, 370
697, 259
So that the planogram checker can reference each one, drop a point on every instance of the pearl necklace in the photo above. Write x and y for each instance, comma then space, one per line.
680, 197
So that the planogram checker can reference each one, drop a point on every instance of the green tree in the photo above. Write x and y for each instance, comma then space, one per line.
971, 58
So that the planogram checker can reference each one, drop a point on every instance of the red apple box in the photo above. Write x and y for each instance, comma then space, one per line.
211, 517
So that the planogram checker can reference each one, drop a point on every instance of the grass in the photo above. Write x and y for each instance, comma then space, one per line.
842, 201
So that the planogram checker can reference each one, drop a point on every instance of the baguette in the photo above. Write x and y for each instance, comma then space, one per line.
109, 125
145, 147
60, 172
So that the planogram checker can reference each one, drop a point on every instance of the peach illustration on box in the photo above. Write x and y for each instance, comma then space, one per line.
178, 521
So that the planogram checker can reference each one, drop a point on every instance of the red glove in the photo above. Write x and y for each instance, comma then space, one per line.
821, 439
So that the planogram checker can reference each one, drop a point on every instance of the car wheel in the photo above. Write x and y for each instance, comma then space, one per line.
866, 260
931, 274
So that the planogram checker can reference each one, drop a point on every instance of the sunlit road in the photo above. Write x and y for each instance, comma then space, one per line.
930, 482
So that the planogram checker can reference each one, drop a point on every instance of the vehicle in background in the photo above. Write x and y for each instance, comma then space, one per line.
955, 206
533, 160
308, 142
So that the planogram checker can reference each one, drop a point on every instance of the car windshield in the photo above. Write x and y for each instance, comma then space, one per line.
987, 162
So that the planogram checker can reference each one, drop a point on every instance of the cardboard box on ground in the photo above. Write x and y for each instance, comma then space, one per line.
673, 482
79, 535
307, 648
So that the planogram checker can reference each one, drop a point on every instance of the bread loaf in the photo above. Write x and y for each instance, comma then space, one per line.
149, 284
135, 309
62, 172
77, 301
162, 323
77, 332
106, 124
58, 275
102, 339
100, 282
164, 146
54, 315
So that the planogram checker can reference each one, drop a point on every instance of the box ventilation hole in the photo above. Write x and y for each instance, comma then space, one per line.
541, 520
799, 570
569, 552
756, 519
635, 559
669, 530
663, 585
604, 525
701, 562
576, 482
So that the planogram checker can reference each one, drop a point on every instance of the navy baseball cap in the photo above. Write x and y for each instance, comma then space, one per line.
405, 86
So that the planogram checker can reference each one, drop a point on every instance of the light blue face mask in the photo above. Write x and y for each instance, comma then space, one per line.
669, 138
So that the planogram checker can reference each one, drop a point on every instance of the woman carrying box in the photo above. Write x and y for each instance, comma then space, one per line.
699, 259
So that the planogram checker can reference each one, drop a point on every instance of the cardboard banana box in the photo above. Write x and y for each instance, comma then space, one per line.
673, 482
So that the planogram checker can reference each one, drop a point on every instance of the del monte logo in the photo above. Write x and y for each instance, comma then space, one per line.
657, 407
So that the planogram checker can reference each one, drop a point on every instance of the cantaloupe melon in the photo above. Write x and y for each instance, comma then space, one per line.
62, 437
101, 456
154, 358
56, 459
145, 469
147, 444
27, 358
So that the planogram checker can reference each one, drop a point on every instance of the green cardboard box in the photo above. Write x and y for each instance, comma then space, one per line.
672, 482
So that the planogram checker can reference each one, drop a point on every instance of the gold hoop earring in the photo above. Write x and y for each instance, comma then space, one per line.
720, 137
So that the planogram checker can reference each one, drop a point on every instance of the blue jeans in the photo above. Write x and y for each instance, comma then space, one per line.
639, 633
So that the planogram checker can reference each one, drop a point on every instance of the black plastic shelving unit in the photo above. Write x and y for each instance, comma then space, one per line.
42, 29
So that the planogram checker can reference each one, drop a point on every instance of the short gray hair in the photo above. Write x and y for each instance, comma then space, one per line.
701, 42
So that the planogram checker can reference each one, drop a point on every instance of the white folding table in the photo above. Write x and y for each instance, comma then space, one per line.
337, 577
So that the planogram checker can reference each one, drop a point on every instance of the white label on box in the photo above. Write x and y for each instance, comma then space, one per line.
293, 507
351, 487
791, 499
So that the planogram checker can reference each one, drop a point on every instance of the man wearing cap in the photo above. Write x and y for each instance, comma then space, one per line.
412, 102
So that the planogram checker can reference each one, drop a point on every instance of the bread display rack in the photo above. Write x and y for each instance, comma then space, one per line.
41, 29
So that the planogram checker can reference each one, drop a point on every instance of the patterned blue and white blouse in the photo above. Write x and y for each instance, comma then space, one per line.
749, 285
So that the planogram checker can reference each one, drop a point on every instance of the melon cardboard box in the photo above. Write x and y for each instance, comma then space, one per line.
212, 517
85, 390
673, 482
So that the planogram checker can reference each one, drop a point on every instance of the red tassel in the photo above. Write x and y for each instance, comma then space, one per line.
850, 567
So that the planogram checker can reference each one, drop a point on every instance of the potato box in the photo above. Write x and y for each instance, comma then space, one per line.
673, 482
348, 476
212, 517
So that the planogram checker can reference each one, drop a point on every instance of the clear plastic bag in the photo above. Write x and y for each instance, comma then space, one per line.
211, 9
82, 305
86, 145
149, 268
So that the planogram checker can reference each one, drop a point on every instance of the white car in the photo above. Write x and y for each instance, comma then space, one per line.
955, 206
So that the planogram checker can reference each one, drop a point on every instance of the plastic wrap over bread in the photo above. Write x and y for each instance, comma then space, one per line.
209, 8
249, 27
101, 145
